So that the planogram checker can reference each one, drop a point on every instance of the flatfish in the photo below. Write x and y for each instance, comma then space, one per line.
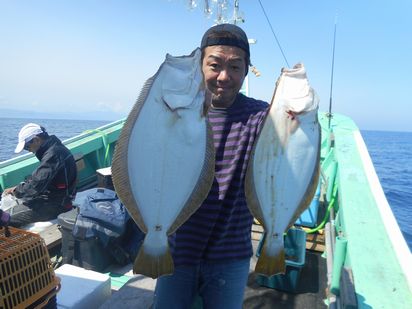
163, 166
283, 170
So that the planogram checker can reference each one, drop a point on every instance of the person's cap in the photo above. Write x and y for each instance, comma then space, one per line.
26, 134
215, 36
226, 34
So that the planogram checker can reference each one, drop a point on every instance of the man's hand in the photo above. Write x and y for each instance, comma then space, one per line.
4, 220
9, 190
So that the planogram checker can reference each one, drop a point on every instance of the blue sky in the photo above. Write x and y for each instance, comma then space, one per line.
81, 56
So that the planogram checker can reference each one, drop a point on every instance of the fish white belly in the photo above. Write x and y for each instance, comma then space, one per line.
169, 159
283, 170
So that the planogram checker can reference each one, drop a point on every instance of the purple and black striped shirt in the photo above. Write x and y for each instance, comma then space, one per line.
220, 230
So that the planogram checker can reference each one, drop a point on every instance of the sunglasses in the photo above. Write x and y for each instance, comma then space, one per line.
27, 145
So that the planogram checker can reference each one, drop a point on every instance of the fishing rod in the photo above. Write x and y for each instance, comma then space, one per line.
331, 77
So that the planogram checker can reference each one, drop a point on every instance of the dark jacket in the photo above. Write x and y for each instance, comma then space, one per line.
54, 179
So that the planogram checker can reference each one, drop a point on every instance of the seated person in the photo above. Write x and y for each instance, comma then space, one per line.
50, 189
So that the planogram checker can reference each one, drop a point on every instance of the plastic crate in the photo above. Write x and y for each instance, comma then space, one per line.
309, 217
26, 274
295, 246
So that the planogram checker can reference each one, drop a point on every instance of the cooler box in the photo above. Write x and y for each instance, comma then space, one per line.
87, 253
309, 217
295, 249
82, 289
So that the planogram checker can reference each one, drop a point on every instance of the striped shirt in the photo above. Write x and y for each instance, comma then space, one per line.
220, 230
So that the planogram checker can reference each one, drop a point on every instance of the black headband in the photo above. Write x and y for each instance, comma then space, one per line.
229, 35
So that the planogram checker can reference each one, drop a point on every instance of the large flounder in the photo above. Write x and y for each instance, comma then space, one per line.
163, 165
283, 170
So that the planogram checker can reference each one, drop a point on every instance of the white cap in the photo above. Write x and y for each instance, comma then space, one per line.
27, 133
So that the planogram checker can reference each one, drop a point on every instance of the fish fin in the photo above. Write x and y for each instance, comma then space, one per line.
252, 200
271, 265
153, 266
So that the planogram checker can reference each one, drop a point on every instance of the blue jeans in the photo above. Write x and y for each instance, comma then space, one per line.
220, 285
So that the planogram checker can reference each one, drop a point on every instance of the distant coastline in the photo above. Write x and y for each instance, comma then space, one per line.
90, 115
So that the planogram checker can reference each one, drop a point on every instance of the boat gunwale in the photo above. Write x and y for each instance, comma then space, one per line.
380, 275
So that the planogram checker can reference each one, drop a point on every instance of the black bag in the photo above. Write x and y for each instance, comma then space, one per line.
92, 232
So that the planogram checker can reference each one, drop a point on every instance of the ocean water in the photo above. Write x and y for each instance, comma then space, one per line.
391, 153
63, 129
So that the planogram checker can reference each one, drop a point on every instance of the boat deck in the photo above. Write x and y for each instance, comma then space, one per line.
310, 290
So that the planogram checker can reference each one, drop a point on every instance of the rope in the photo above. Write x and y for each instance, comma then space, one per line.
331, 203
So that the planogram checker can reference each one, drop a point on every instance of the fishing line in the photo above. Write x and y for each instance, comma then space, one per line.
331, 77
273, 32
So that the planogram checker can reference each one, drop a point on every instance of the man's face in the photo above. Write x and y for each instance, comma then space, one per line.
224, 71
33, 145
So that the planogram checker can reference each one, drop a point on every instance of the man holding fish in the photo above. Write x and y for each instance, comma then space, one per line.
191, 177
212, 249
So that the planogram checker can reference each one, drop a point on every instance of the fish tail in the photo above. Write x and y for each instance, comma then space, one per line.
271, 265
153, 266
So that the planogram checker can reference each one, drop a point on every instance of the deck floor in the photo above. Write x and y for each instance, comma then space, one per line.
310, 290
